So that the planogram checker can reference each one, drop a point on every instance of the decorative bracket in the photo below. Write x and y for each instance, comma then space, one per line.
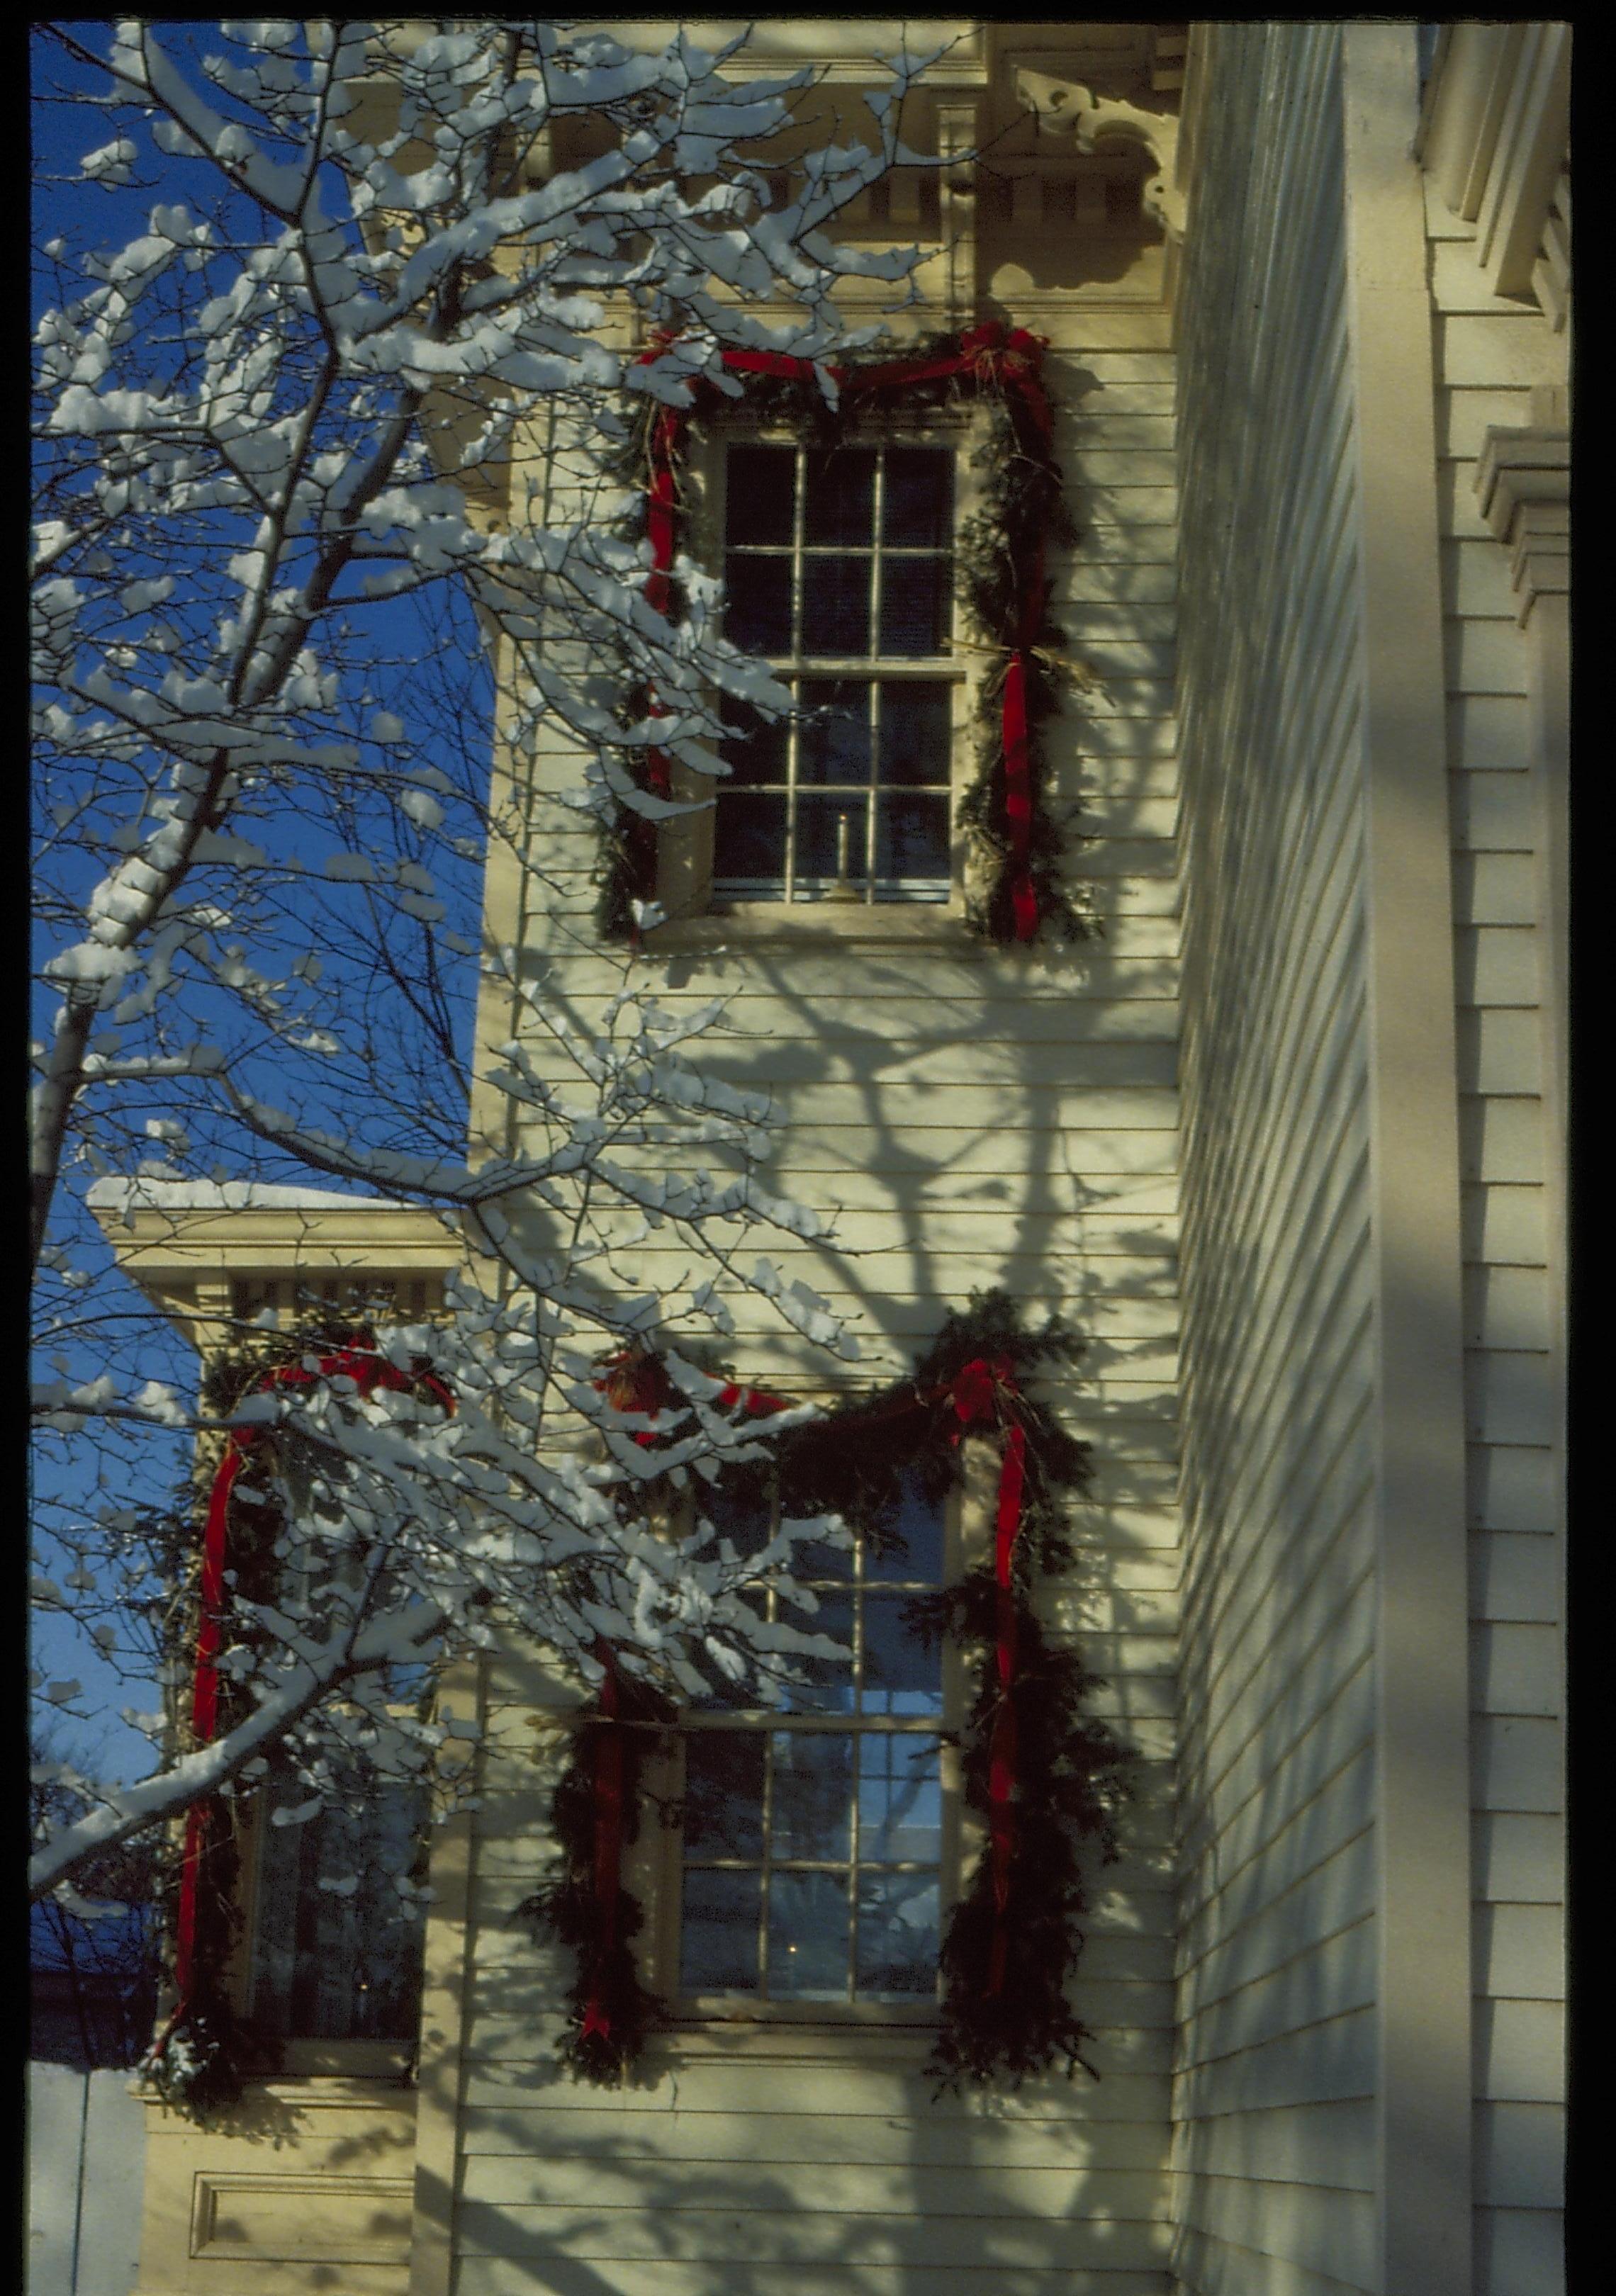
1066, 107
1523, 490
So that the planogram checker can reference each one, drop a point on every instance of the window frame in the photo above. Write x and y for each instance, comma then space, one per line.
685, 886
654, 1865
415, 1297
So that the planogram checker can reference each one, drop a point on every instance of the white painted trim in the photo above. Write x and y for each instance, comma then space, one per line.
1423, 2010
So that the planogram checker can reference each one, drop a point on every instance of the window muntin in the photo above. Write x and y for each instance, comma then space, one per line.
838, 570
813, 1831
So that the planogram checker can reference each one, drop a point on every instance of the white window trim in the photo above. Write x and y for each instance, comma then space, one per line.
653, 1865
685, 866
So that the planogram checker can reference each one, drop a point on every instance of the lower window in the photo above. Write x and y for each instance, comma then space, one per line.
813, 1839
336, 1948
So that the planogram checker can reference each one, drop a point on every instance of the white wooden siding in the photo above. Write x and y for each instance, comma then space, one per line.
970, 1117
1490, 351
1274, 2068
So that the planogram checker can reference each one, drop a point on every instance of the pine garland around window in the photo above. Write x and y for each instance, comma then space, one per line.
222, 1538
1042, 1775
1004, 583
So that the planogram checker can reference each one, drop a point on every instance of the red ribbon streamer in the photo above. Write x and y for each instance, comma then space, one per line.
1002, 1746
368, 1371
607, 1838
1018, 797
980, 1391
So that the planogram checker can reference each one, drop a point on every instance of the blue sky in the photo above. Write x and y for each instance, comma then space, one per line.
67, 126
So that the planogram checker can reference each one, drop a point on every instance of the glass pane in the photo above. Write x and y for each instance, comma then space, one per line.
336, 1948
718, 1926
756, 749
915, 732
818, 836
813, 1794
912, 837
897, 1933
902, 1675
833, 745
835, 605
900, 1807
724, 1793
826, 1686
916, 1552
749, 836
813, 1559
839, 496
914, 617
758, 605
807, 1937
919, 513
744, 1517
758, 485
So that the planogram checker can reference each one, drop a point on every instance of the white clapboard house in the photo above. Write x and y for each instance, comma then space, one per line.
1285, 1142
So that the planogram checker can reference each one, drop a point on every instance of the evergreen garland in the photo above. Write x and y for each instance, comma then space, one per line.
1072, 1773
608, 2012
205, 2051
999, 554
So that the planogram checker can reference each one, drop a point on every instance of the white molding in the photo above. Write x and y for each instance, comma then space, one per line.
1067, 108
1523, 492
1423, 2006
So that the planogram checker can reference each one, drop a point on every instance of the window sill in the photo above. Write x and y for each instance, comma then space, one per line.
311, 2091
691, 2037
348, 2060
818, 925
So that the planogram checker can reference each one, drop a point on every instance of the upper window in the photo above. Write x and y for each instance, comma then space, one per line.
813, 1831
839, 572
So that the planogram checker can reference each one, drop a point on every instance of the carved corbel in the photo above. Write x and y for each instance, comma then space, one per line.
1523, 490
1067, 109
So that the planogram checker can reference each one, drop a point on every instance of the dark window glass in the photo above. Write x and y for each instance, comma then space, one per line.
897, 1933
719, 1922
757, 607
901, 1674
913, 607
916, 1535
919, 489
914, 728
826, 1686
336, 1944
818, 837
834, 742
835, 605
911, 837
758, 487
900, 1800
813, 1808
808, 1936
723, 1795
749, 838
756, 751
839, 497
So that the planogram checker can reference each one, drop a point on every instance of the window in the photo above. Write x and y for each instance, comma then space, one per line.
334, 1924
408, 1297
336, 1945
838, 570
814, 1832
